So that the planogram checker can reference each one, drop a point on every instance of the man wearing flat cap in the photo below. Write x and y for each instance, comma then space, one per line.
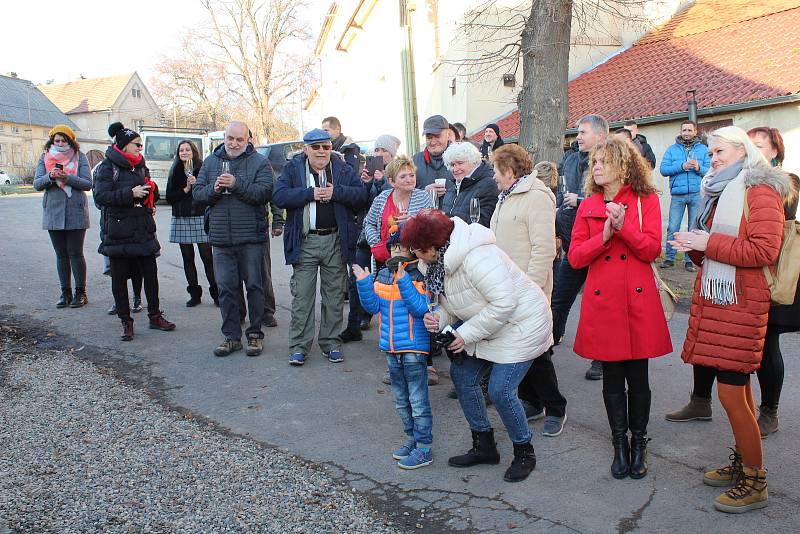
321, 196
429, 162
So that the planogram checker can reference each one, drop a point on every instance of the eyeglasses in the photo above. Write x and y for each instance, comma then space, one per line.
320, 147
140, 145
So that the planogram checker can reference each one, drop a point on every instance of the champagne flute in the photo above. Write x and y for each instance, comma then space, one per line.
188, 168
474, 209
434, 198
225, 169
401, 209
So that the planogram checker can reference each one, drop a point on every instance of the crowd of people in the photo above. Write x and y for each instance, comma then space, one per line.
473, 251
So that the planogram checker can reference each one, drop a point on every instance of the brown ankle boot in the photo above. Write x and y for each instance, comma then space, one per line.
127, 330
698, 409
725, 476
749, 493
159, 322
767, 420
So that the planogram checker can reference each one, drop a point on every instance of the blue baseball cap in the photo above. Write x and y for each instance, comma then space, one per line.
317, 135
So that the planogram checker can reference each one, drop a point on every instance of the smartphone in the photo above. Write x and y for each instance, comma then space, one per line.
375, 163
59, 166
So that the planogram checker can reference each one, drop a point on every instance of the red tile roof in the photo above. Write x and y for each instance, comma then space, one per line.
730, 51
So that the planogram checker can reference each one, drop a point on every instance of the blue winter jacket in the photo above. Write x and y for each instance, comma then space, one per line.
402, 305
292, 193
683, 182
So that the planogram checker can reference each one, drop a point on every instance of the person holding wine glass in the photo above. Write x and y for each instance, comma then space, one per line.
186, 227
472, 194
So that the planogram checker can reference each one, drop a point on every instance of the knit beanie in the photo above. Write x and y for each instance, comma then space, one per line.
389, 143
121, 135
494, 127
62, 129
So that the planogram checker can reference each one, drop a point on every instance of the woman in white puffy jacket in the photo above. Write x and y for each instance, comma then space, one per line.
501, 320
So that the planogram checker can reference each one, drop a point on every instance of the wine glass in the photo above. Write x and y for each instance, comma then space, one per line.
474, 209
434, 197
188, 167
401, 209
225, 169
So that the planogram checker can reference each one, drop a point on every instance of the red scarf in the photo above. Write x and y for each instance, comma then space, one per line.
389, 212
134, 160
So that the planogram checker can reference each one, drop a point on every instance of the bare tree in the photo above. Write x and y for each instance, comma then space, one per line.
252, 38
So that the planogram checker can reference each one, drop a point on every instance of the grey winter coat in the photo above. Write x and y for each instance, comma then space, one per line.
238, 218
59, 211
429, 169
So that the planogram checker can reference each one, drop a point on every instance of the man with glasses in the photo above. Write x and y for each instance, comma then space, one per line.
235, 181
432, 174
321, 196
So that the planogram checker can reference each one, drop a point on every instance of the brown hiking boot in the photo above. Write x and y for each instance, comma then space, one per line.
725, 476
749, 493
127, 330
767, 421
698, 409
159, 322
254, 346
228, 346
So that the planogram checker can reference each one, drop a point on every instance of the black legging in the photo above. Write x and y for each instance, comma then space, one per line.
68, 245
770, 374
121, 269
189, 268
615, 374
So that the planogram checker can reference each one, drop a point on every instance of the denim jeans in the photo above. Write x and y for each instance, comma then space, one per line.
504, 380
678, 205
232, 264
357, 313
409, 375
568, 284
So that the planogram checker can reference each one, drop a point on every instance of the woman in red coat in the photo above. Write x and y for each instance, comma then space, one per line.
739, 232
622, 323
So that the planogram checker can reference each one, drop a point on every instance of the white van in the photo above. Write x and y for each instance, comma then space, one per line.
160, 146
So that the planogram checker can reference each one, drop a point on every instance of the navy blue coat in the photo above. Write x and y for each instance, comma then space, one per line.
292, 193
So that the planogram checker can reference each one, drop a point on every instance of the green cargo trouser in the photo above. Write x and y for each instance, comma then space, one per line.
323, 253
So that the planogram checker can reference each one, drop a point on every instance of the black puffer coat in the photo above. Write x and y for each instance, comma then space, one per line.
130, 231
481, 185
573, 168
183, 205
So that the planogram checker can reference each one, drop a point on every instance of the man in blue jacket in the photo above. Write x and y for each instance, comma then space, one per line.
685, 163
321, 195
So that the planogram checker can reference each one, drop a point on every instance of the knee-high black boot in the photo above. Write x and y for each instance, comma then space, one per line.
617, 410
639, 416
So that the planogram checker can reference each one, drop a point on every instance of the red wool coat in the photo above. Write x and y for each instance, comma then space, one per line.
731, 338
621, 314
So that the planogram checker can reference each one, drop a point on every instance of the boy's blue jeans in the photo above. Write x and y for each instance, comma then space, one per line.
409, 374
503, 383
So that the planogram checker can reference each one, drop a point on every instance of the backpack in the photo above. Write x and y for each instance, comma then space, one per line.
783, 282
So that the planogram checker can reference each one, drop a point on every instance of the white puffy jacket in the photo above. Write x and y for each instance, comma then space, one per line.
506, 316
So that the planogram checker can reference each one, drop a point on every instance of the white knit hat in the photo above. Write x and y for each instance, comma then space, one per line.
389, 143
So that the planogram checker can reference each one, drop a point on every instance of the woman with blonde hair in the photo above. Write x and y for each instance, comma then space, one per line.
739, 232
617, 235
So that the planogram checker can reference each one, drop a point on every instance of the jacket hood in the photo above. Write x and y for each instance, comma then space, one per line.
220, 152
641, 138
690, 143
481, 172
464, 238
775, 177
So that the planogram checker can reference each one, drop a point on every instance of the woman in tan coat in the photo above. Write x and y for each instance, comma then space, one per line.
740, 228
524, 223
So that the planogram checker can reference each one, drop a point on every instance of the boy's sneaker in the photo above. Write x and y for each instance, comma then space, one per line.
403, 452
298, 358
334, 356
553, 426
416, 459
254, 346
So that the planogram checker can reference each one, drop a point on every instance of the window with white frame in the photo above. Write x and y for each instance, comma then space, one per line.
14, 129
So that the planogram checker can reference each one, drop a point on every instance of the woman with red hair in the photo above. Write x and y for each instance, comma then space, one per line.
498, 321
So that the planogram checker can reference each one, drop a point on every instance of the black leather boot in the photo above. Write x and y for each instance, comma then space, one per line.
195, 292
66, 297
483, 451
639, 416
617, 410
524, 462
80, 298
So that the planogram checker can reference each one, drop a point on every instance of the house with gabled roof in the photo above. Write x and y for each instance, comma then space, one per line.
740, 58
94, 103
26, 117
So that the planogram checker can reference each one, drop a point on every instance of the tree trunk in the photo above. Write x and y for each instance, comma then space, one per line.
543, 103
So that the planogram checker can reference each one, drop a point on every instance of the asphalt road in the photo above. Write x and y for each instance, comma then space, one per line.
341, 416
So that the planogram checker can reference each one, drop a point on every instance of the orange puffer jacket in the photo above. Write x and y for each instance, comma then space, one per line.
731, 338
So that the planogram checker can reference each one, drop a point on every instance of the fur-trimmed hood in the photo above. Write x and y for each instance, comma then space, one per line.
775, 177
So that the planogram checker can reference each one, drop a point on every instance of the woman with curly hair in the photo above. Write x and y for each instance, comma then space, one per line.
617, 235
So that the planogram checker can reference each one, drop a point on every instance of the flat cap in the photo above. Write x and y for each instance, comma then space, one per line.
434, 125
317, 135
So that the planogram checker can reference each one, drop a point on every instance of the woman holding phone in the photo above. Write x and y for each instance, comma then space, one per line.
186, 227
63, 175
124, 188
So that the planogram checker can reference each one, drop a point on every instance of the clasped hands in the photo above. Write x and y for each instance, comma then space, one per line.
686, 241
323, 194
224, 181
615, 218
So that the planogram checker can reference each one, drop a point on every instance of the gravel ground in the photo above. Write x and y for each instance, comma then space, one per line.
82, 452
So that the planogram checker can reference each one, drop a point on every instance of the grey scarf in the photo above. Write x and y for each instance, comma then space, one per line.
711, 188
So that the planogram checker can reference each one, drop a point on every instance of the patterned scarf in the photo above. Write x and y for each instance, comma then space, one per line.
504, 194
434, 278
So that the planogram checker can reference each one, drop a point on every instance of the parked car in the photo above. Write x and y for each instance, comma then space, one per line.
8, 179
279, 153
